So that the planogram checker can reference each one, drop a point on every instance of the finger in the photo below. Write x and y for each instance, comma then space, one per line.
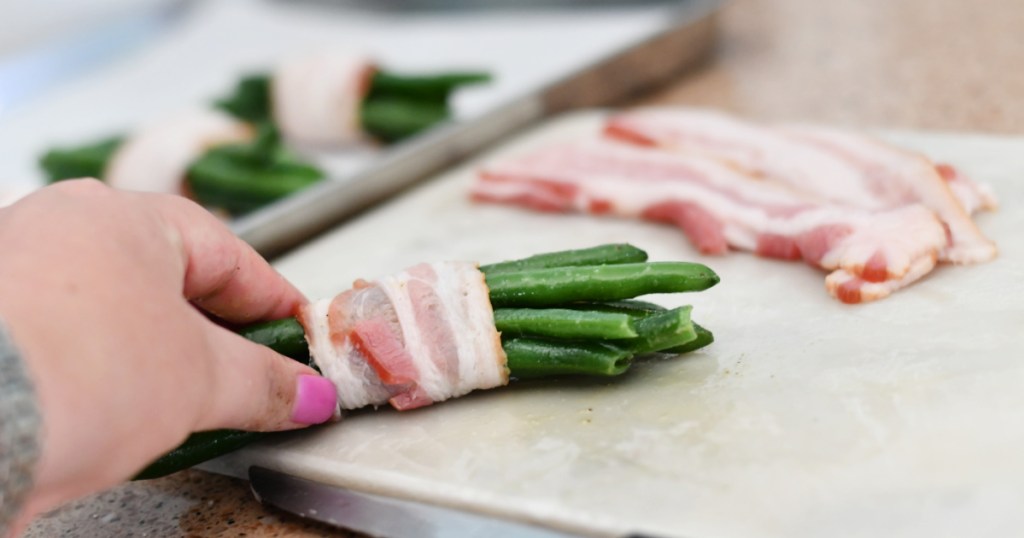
223, 274
254, 388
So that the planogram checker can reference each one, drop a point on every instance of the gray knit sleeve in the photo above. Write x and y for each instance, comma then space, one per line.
19, 431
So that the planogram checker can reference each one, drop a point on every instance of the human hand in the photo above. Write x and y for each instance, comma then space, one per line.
104, 293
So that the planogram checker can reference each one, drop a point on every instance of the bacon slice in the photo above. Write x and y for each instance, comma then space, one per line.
844, 168
316, 99
901, 177
410, 339
718, 207
972, 196
156, 158
329, 324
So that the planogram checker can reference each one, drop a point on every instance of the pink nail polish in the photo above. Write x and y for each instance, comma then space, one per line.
315, 400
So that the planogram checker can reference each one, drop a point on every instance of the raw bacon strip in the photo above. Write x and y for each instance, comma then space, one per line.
328, 324
972, 196
393, 364
844, 168
852, 289
157, 158
903, 177
717, 206
443, 332
751, 148
417, 337
316, 99
465, 295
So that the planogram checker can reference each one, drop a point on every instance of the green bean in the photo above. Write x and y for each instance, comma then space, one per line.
199, 447
217, 181
83, 161
250, 100
704, 338
392, 119
643, 309
663, 330
630, 307
243, 177
560, 285
563, 323
600, 255
285, 336
535, 357
430, 88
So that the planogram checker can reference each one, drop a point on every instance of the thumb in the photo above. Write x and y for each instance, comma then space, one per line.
256, 389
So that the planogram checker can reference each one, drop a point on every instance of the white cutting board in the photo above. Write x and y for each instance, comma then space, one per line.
806, 417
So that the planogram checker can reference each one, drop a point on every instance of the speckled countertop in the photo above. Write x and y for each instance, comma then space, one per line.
944, 65
921, 64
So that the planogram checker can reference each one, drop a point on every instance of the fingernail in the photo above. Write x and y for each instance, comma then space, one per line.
315, 400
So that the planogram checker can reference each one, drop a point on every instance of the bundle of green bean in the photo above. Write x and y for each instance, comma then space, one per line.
561, 313
396, 106
237, 178
240, 178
